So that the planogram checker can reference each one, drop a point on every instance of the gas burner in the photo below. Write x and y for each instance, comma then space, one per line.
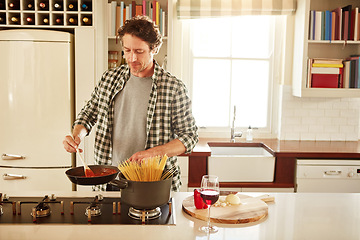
42, 209
94, 210
144, 214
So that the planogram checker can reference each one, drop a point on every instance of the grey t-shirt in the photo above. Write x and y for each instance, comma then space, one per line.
130, 111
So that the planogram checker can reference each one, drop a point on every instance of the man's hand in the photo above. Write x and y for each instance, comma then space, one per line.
71, 143
172, 148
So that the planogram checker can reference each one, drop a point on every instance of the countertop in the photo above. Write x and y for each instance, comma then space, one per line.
285, 147
291, 216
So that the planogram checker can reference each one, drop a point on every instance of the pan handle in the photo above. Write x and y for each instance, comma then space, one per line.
119, 183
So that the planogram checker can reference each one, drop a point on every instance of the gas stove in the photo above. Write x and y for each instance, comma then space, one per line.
51, 209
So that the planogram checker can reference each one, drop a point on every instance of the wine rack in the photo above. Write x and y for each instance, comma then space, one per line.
53, 13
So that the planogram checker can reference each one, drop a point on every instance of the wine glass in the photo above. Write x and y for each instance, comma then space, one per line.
210, 194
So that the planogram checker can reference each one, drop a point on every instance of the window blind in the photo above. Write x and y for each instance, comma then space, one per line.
192, 9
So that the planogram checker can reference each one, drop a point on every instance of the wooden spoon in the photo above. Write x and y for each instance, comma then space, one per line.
87, 170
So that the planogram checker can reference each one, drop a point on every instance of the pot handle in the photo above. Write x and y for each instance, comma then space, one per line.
119, 183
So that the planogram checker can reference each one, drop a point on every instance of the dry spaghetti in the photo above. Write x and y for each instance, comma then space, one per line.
146, 170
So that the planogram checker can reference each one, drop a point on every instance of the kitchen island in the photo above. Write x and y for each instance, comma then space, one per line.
291, 216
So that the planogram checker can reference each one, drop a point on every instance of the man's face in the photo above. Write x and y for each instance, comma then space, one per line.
138, 55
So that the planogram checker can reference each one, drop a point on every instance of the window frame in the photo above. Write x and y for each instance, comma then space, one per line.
276, 74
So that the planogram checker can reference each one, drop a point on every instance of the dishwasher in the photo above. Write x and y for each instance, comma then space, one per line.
327, 175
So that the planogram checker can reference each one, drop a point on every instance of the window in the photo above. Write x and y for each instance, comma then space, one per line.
231, 63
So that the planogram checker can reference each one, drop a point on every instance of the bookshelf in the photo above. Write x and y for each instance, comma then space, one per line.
113, 45
46, 13
305, 49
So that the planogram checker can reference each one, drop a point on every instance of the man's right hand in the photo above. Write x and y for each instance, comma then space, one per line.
71, 143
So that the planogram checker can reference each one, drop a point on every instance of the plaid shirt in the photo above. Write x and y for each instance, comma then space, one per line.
169, 115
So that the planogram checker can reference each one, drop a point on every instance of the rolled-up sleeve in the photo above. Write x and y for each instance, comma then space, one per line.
183, 122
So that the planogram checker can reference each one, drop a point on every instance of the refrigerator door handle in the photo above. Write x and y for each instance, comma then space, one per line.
6, 156
9, 176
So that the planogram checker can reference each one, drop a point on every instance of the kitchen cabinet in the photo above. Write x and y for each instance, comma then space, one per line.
305, 49
183, 162
286, 153
113, 44
46, 13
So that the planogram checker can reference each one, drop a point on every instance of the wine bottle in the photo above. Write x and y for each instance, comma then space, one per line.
2, 6
46, 21
84, 7
58, 21
72, 21
43, 6
14, 20
30, 20
13, 6
30, 6
72, 7
58, 6
86, 20
2, 20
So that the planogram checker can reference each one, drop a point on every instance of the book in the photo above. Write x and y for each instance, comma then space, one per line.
325, 70
327, 65
133, 10
328, 60
338, 23
118, 18
327, 33
323, 22
122, 15
346, 76
333, 25
346, 21
312, 25
113, 18
352, 24
139, 10
318, 24
144, 7
325, 80
356, 23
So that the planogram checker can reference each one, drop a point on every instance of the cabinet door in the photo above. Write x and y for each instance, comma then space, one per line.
21, 179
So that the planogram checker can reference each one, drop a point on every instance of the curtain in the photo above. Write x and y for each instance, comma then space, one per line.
192, 9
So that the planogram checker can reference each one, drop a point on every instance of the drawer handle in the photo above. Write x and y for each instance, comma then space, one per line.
6, 156
333, 172
10, 176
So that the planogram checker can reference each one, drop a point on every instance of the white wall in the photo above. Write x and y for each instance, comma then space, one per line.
333, 119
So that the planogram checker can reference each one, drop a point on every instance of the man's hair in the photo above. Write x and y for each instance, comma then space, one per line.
144, 28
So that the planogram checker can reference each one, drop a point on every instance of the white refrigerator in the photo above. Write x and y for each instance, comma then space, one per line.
37, 109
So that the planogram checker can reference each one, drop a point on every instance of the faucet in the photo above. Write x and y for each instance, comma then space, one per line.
233, 133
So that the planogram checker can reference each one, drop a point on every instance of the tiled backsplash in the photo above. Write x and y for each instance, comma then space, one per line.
322, 119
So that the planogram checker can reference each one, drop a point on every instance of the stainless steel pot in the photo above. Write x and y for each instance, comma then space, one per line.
143, 195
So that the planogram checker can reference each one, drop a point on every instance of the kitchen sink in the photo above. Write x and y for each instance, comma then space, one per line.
240, 151
241, 163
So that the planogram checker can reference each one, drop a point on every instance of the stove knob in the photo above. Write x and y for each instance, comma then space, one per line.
351, 174
52, 197
100, 197
5, 197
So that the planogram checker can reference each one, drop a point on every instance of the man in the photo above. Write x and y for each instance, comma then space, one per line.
140, 109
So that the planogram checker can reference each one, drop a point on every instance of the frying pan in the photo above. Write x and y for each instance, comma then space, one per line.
77, 175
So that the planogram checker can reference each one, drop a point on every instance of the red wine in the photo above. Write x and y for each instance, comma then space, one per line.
209, 196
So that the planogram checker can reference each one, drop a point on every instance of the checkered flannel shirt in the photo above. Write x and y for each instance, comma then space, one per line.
169, 115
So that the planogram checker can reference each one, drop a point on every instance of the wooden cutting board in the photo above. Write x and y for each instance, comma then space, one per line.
250, 210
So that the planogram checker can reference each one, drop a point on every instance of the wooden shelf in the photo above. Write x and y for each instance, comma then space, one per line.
305, 49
